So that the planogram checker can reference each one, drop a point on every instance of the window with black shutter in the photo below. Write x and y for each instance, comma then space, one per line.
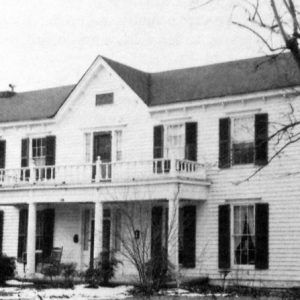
224, 236
243, 140
44, 231
187, 236
191, 141
1, 230
249, 235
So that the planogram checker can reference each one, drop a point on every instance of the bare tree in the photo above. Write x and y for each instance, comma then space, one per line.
269, 20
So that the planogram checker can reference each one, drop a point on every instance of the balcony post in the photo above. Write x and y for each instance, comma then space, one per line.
98, 239
31, 168
173, 234
172, 164
98, 169
31, 238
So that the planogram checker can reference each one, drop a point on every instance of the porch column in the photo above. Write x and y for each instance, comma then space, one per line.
31, 238
98, 228
173, 231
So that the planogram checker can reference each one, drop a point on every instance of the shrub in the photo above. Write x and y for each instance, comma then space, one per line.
7, 268
68, 271
103, 271
50, 270
158, 271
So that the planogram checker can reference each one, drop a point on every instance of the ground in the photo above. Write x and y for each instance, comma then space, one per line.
16, 290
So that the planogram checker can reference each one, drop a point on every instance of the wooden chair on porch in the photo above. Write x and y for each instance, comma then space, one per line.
53, 260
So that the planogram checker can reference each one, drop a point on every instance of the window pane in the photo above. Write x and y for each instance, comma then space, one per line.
244, 234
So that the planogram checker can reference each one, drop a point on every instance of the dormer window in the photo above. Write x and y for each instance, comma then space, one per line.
102, 99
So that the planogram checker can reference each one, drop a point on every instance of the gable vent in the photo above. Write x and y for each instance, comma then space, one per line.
102, 99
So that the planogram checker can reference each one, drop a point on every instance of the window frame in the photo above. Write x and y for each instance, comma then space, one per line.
105, 103
88, 137
251, 203
232, 119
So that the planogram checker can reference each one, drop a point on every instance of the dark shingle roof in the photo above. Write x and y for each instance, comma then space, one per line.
224, 79
136, 79
218, 80
34, 105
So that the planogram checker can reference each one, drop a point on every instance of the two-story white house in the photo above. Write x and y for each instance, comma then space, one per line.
179, 143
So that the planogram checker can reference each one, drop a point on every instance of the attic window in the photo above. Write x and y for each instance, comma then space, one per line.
102, 99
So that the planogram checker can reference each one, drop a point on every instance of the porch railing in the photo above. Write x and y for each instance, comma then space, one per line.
121, 171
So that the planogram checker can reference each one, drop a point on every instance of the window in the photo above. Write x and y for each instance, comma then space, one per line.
175, 140
243, 140
102, 99
44, 231
244, 234
39, 151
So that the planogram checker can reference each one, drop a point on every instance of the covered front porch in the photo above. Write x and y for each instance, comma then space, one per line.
84, 224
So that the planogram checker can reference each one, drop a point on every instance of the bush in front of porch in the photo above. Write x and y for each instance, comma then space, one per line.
7, 268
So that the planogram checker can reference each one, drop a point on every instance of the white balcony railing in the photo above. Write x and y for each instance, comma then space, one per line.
122, 171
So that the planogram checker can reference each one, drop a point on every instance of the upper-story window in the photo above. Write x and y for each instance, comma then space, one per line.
243, 140
179, 140
102, 99
39, 151
106, 144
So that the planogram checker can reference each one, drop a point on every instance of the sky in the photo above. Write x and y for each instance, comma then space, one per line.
46, 43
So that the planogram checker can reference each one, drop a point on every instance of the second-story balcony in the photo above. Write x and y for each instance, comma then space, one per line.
103, 173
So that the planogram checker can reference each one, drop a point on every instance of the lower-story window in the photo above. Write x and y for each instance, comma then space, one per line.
244, 234
44, 232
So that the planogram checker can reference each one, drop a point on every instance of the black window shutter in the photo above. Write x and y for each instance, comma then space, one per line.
22, 239
2, 154
261, 139
25, 153
262, 236
158, 142
224, 236
189, 237
156, 232
1, 230
224, 143
48, 216
50, 150
191, 141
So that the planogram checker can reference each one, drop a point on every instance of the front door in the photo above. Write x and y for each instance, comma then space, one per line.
102, 148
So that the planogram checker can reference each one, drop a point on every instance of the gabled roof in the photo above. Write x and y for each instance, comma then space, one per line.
206, 82
136, 79
33, 105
